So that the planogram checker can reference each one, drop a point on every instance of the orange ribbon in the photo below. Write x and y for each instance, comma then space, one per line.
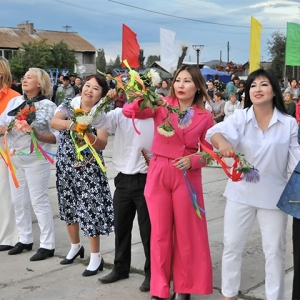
6, 157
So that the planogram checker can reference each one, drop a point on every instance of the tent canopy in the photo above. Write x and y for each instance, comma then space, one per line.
209, 73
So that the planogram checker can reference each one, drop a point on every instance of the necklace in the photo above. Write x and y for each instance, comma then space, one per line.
87, 112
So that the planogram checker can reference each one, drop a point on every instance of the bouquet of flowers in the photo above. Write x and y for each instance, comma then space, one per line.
23, 120
82, 121
143, 87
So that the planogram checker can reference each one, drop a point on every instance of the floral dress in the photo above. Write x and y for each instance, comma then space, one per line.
83, 191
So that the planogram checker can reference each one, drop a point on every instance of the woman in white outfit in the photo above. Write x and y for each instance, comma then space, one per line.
267, 136
8, 227
32, 173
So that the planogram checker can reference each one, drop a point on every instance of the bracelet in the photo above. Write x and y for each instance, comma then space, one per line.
71, 125
94, 140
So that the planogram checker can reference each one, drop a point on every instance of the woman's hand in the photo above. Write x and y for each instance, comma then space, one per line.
3, 129
225, 149
113, 94
163, 103
183, 163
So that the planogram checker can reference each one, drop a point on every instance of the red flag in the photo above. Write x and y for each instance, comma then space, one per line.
130, 48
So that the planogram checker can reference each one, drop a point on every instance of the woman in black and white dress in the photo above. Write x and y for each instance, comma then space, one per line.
83, 192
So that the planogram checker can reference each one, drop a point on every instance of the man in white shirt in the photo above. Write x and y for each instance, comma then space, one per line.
128, 198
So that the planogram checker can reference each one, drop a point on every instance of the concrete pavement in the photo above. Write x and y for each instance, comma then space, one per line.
23, 279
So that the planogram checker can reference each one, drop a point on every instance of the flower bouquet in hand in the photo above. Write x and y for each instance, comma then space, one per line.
82, 122
240, 170
143, 87
23, 119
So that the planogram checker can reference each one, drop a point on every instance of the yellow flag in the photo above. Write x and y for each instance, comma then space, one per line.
255, 34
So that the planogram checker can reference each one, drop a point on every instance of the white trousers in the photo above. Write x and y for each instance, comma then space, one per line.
238, 221
33, 177
8, 227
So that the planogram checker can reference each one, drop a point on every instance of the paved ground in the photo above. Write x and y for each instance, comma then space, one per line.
22, 279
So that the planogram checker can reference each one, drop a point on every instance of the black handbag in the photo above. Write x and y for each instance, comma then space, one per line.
289, 201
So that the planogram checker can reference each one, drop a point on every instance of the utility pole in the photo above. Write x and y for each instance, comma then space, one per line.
228, 51
67, 27
198, 48
220, 57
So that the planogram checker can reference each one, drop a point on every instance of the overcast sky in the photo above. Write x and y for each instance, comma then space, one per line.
212, 23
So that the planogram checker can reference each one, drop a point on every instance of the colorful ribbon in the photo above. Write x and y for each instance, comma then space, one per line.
6, 157
234, 175
193, 196
38, 149
87, 145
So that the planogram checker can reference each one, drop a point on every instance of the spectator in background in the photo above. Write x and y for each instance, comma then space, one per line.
231, 105
290, 104
211, 89
217, 107
231, 87
165, 88
8, 227
64, 90
15, 86
55, 86
72, 83
240, 89
219, 85
293, 89
72, 79
77, 86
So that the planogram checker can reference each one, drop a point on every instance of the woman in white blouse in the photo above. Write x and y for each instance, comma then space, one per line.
267, 136
32, 173
231, 105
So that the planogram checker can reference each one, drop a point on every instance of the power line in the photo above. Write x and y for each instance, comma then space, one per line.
184, 18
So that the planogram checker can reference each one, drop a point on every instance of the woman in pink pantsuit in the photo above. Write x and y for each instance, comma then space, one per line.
179, 240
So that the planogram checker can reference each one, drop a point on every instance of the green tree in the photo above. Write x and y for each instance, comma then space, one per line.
117, 62
101, 61
151, 59
44, 56
276, 48
63, 56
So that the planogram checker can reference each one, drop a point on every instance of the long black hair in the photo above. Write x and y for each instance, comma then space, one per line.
277, 99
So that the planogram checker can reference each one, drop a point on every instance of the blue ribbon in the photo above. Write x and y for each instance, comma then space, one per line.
193, 195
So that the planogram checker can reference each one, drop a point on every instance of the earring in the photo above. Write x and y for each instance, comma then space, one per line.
198, 91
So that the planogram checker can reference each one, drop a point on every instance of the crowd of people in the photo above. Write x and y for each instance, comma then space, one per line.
250, 117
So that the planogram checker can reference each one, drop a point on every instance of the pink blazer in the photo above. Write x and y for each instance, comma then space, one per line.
184, 141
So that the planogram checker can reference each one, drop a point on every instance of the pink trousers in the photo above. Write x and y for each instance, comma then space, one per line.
179, 239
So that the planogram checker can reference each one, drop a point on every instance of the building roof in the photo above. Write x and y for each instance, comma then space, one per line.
12, 38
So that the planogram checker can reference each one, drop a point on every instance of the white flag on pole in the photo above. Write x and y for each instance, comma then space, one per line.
168, 58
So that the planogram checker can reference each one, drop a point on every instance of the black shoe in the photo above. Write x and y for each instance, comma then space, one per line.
157, 298
113, 276
145, 287
42, 254
67, 261
91, 273
5, 247
19, 247
179, 296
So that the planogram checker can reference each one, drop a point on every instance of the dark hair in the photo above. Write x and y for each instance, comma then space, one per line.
101, 80
219, 94
235, 77
66, 78
216, 77
292, 79
277, 99
199, 82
